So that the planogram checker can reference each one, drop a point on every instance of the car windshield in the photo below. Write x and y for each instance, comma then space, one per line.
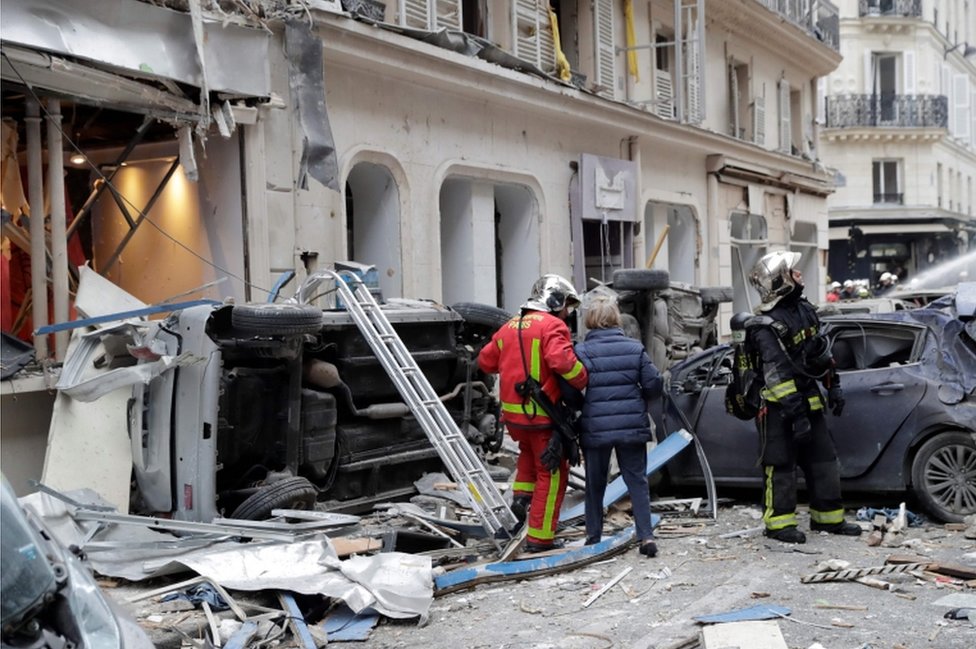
25, 574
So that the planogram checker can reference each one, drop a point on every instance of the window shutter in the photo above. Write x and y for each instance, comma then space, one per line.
733, 101
429, 15
448, 14
822, 101
663, 94
960, 106
972, 126
908, 59
785, 128
759, 120
532, 29
696, 112
603, 38
869, 72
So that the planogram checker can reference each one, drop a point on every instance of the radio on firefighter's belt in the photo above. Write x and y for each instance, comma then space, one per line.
738, 326
743, 392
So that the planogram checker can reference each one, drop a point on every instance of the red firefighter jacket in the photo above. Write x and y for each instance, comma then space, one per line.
548, 352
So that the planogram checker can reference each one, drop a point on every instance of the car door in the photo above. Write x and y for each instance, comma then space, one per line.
730, 445
876, 361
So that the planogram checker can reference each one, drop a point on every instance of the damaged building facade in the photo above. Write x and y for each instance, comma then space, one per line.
461, 147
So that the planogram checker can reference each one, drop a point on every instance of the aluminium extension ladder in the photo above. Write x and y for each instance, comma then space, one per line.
460, 459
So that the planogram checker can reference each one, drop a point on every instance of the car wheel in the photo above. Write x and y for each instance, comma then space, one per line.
944, 476
482, 314
480, 321
288, 493
712, 295
641, 279
276, 319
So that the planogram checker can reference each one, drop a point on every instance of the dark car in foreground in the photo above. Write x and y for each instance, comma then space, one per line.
909, 378
49, 595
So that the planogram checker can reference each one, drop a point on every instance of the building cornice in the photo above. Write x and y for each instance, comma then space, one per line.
907, 135
752, 22
357, 46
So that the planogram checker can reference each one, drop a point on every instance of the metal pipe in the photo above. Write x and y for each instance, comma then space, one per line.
38, 244
59, 239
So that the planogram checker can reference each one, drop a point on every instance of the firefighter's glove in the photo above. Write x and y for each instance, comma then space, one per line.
835, 400
801, 429
552, 456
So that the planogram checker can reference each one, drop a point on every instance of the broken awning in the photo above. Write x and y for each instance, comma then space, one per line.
139, 40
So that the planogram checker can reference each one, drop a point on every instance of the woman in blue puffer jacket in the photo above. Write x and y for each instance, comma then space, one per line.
622, 380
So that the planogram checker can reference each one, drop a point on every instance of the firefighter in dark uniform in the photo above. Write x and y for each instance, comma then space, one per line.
793, 358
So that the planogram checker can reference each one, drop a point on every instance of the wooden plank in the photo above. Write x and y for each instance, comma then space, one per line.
744, 635
345, 546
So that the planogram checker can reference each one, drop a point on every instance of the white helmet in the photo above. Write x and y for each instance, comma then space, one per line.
551, 293
887, 277
772, 276
834, 285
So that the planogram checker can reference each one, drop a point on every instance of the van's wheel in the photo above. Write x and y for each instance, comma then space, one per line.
288, 493
712, 295
276, 319
481, 321
641, 279
944, 476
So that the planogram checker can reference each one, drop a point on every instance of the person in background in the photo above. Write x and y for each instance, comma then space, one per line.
833, 295
793, 355
886, 283
622, 381
849, 291
537, 344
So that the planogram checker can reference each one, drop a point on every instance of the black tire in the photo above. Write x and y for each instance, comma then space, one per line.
288, 493
482, 314
276, 319
481, 321
944, 476
711, 295
641, 279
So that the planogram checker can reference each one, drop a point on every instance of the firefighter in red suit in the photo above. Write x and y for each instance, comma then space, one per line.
536, 343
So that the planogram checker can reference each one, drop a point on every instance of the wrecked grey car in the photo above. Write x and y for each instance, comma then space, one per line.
49, 596
909, 379
276, 406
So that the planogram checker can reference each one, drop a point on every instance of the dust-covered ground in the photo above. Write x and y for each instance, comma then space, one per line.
696, 572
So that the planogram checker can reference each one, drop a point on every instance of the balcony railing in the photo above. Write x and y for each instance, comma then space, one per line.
900, 111
819, 18
906, 8
889, 199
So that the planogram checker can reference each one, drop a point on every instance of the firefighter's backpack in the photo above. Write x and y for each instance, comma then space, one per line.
742, 394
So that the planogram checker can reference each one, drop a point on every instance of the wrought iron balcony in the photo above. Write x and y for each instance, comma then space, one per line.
889, 199
898, 111
906, 8
819, 18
